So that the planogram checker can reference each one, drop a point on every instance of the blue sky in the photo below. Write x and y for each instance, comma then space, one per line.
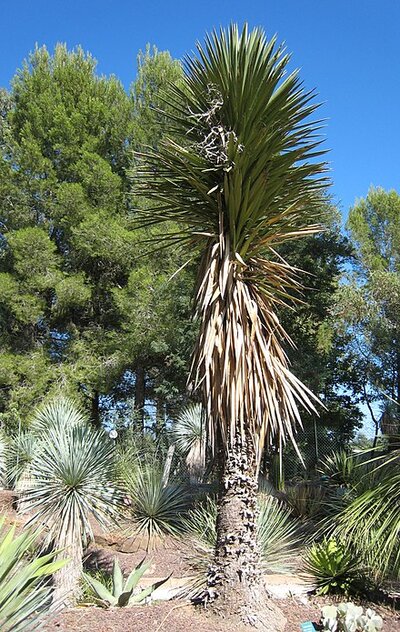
348, 50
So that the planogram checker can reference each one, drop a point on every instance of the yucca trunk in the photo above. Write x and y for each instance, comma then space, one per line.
241, 367
67, 580
235, 578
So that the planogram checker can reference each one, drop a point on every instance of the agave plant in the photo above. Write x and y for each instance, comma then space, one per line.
335, 567
123, 593
156, 509
237, 180
72, 474
25, 592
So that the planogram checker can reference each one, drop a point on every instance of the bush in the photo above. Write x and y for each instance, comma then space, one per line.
156, 509
342, 469
371, 520
307, 500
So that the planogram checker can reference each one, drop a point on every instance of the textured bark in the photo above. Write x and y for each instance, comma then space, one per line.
66, 580
140, 397
95, 412
235, 580
167, 465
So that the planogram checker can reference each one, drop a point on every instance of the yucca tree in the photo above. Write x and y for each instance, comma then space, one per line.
72, 475
239, 175
189, 436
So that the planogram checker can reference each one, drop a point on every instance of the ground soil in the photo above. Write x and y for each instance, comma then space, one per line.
177, 617
169, 616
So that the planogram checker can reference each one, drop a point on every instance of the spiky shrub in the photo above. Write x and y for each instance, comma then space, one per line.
25, 592
238, 179
123, 592
21, 449
188, 428
156, 510
371, 521
341, 468
188, 433
306, 500
279, 535
19, 454
335, 568
72, 480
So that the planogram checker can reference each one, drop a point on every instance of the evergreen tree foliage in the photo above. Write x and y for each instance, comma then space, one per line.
368, 305
73, 282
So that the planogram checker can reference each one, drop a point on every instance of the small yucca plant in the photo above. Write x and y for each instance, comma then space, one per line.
189, 434
188, 430
72, 480
157, 510
307, 501
19, 454
122, 593
341, 468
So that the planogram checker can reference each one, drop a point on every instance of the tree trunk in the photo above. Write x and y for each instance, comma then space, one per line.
167, 465
235, 580
66, 580
95, 412
140, 397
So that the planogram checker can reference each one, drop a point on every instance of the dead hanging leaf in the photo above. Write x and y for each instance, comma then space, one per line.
239, 363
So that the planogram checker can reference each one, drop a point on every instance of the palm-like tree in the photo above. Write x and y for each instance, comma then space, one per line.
238, 177
72, 480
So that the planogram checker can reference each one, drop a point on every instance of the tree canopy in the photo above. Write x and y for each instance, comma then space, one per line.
87, 304
368, 304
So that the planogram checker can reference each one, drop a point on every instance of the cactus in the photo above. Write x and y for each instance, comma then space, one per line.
348, 617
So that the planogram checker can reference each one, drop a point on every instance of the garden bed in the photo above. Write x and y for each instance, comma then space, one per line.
166, 616
178, 617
